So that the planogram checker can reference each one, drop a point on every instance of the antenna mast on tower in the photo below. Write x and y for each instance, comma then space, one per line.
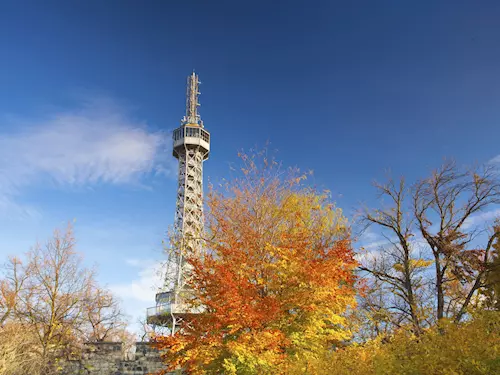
192, 104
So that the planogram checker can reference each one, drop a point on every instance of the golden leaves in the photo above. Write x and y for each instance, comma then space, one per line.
275, 282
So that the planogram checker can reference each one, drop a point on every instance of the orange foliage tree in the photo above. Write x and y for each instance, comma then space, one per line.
275, 279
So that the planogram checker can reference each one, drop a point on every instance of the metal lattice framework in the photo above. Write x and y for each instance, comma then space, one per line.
189, 210
191, 148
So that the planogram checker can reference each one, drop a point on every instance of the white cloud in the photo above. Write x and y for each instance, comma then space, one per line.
372, 240
376, 244
365, 255
99, 142
495, 160
139, 293
144, 287
369, 235
481, 218
17, 211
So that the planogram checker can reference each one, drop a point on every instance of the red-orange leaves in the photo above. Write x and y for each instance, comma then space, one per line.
275, 280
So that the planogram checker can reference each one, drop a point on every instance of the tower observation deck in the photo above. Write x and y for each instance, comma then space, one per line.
191, 147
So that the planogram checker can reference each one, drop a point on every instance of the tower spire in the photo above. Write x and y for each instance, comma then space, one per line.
192, 116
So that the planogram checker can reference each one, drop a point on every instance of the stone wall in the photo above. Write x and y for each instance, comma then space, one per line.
107, 358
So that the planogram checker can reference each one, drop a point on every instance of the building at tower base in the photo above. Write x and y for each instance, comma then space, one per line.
108, 358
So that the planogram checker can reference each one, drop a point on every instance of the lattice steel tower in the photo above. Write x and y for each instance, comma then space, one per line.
191, 147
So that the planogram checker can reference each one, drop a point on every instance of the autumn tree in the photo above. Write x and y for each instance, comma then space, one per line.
396, 293
16, 351
274, 282
51, 295
433, 261
51, 302
10, 286
491, 292
443, 207
102, 316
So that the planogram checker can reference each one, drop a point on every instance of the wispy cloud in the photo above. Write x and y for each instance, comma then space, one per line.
371, 240
364, 255
17, 211
139, 294
376, 244
144, 286
481, 218
98, 142
495, 160
373, 244
368, 235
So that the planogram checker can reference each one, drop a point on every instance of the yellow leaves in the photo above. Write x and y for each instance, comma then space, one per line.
254, 353
421, 263
398, 267
229, 367
465, 349
413, 264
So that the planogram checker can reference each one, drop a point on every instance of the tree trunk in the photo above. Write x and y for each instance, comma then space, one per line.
439, 289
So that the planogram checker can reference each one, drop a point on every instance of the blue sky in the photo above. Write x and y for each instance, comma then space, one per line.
90, 91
